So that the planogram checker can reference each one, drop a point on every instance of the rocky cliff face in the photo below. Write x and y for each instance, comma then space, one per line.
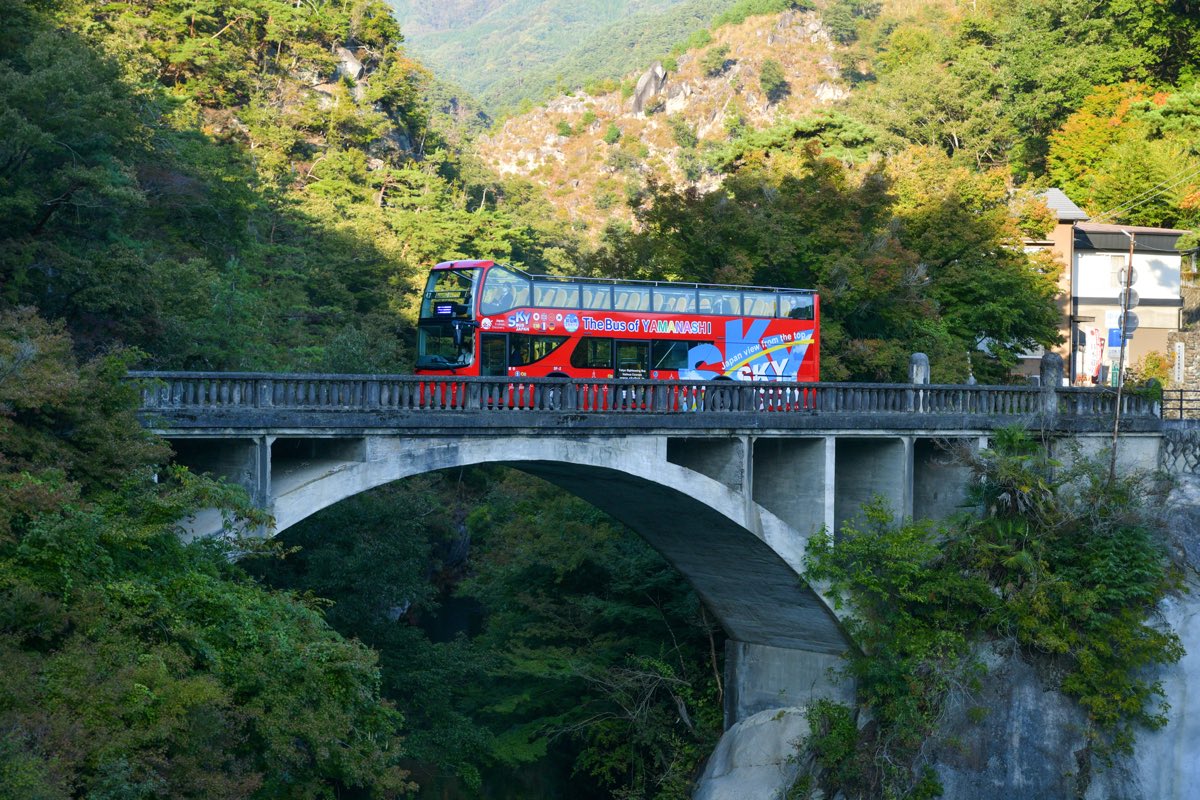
1018, 737
562, 145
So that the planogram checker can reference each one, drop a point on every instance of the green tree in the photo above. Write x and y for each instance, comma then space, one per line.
773, 81
1130, 149
137, 665
612, 134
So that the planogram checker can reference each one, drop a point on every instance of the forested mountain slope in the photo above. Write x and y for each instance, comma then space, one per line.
233, 189
506, 51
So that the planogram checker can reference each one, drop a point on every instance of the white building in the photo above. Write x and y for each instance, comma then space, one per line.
1099, 258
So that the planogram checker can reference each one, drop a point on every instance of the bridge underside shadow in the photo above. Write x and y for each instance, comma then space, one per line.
756, 595
742, 560
784, 642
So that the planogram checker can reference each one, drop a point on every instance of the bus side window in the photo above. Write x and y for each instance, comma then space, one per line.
716, 301
543, 294
666, 354
503, 290
592, 354
759, 304
524, 349
678, 301
796, 306
597, 298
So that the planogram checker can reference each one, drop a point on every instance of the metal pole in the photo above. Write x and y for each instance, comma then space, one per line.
1124, 305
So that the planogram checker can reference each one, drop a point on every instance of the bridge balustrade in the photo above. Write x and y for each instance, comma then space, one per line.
165, 391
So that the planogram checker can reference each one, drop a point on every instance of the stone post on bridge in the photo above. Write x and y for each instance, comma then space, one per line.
918, 374
918, 368
1051, 379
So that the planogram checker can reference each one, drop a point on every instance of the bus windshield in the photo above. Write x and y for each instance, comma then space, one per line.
437, 348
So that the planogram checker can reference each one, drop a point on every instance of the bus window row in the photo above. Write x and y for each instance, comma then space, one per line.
592, 353
602, 353
504, 290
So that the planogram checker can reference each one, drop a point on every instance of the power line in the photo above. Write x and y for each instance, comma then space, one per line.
1154, 191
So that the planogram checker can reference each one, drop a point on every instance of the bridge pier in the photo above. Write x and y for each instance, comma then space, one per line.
760, 677
792, 478
869, 467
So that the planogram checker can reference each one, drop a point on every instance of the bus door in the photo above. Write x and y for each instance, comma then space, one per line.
633, 360
493, 355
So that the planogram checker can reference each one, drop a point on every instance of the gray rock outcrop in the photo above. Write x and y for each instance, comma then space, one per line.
756, 758
649, 86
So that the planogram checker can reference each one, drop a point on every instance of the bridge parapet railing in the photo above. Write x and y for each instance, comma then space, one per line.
168, 391
1102, 402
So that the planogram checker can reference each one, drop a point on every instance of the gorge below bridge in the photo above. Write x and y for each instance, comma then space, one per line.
726, 480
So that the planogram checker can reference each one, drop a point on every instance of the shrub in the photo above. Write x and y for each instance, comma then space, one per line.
613, 134
683, 133
564, 128
772, 80
714, 60
622, 160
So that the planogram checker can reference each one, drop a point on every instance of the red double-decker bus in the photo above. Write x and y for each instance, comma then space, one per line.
483, 318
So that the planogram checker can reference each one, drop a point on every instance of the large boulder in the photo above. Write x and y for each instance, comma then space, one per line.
757, 758
649, 86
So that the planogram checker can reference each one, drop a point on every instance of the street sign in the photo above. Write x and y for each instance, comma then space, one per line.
1121, 276
1128, 322
1133, 299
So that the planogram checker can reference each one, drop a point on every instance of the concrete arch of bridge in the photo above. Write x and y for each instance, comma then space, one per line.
742, 560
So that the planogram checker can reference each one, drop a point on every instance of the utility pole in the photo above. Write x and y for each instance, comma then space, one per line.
1124, 305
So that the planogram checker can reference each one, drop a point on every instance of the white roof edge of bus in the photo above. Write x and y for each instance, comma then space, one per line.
620, 281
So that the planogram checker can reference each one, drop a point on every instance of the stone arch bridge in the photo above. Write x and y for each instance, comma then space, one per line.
727, 481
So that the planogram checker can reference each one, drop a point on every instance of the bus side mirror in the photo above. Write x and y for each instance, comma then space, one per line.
460, 328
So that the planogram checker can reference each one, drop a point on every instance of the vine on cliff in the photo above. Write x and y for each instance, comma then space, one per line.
1062, 561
